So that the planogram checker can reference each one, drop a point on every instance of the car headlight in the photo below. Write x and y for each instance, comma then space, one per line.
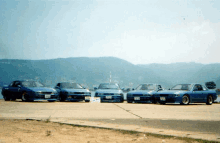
177, 95
37, 93
54, 92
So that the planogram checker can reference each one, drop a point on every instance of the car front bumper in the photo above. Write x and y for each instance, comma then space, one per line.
77, 97
111, 98
141, 99
170, 99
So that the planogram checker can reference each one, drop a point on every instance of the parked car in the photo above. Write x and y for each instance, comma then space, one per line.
109, 92
28, 91
72, 92
144, 93
188, 93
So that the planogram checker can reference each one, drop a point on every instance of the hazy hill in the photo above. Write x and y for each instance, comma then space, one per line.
90, 71
93, 71
187, 72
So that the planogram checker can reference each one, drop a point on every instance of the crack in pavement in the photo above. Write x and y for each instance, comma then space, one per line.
128, 111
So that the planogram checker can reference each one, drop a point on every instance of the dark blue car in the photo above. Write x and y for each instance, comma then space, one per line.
188, 93
72, 92
28, 91
144, 93
109, 92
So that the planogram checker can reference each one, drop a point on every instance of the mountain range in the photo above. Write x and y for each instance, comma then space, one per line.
92, 71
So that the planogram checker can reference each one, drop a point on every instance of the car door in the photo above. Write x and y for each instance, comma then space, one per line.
198, 93
15, 88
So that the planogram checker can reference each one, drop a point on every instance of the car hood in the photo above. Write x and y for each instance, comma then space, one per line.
142, 92
172, 92
108, 91
74, 90
42, 89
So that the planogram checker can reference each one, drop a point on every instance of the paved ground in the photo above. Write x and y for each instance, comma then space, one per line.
195, 121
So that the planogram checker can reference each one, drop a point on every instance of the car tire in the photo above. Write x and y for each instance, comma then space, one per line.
13, 98
129, 101
62, 98
209, 100
162, 103
86, 100
121, 100
185, 100
6, 97
24, 97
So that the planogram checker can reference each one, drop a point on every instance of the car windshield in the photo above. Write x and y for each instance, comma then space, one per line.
32, 84
146, 87
108, 86
71, 85
182, 87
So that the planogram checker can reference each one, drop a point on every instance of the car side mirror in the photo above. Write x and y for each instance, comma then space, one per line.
132, 88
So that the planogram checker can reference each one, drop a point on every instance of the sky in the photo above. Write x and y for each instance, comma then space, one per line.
138, 31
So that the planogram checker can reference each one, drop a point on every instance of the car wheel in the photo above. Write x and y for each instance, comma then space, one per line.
209, 100
24, 97
162, 103
62, 99
86, 100
129, 101
13, 98
185, 100
122, 100
51, 100
6, 98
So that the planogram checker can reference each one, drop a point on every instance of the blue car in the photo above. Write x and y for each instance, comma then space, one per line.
109, 92
72, 92
144, 93
28, 91
188, 93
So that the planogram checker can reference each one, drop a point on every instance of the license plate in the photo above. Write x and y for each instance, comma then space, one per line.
163, 98
108, 97
136, 98
87, 98
47, 96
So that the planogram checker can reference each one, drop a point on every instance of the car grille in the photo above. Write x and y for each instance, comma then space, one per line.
109, 94
43, 97
137, 94
46, 92
80, 93
164, 95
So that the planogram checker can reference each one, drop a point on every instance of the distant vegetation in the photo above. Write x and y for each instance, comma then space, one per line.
93, 71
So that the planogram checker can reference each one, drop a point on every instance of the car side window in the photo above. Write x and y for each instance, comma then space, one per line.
160, 87
16, 83
58, 84
198, 87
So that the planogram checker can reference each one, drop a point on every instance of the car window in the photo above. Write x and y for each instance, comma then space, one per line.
182, 87
108, 86
146, 87
32, 84
198, 87
71, 85
16, 83
58, 84
204, 87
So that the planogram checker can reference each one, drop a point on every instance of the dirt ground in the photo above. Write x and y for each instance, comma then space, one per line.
31, 131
